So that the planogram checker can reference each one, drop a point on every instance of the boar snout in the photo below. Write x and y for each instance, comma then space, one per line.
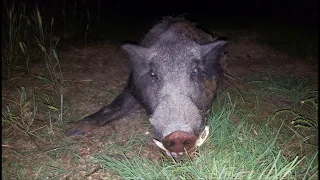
179, 141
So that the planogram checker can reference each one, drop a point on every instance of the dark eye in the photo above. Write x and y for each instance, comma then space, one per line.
194, 71
152, 71
153, 75
194, 68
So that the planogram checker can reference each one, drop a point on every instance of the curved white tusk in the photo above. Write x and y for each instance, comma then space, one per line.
160, 145
203, 136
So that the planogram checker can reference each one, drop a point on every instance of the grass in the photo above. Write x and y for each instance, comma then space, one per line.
26, 35
242, 147
30, 111
235, 151
292, 88
307, 120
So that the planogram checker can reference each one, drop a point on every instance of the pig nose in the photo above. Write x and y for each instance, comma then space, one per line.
178, 141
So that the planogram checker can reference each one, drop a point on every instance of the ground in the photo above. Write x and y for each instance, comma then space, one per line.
93, 75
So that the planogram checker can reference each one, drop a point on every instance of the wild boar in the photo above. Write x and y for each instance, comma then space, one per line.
174, 75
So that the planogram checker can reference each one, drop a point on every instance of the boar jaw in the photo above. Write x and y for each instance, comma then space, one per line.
201, 139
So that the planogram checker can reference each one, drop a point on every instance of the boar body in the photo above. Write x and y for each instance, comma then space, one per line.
175, 71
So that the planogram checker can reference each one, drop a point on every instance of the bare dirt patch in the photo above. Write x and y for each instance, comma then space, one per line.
247, 55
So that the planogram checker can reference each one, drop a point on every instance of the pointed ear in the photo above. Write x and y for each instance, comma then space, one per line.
136, 52
216, 46
210, 55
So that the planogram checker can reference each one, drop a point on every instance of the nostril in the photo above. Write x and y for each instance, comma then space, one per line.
186, 143
169, 144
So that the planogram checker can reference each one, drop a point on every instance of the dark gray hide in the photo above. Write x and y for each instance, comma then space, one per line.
174, 74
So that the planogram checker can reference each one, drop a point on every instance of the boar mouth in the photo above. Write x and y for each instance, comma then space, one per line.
201, 139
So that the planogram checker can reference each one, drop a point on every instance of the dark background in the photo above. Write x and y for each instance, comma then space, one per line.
302, 13
120, 20
298, 12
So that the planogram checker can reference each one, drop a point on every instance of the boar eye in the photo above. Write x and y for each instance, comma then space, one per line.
153, 75
195, 68
151, 72
194, 71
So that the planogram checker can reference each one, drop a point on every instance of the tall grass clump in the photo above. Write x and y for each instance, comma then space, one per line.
242, 150
50, 55
16, 28
28, 41
25, 35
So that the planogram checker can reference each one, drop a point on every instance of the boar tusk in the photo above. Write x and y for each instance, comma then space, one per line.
203, 136
160, 145
168, 153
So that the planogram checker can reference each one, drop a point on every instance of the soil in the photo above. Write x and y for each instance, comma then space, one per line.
94, 74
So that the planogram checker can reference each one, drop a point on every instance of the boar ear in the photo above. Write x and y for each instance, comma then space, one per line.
211, 54
216, 47
136, 51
